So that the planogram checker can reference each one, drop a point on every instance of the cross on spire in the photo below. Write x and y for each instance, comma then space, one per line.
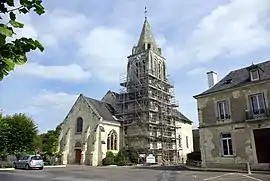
145, 12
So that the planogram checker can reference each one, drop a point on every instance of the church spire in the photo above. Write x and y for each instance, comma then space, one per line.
147, 40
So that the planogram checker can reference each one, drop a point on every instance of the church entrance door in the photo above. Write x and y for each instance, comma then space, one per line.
78, 156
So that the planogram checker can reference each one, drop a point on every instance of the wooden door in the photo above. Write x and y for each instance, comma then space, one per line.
78, 155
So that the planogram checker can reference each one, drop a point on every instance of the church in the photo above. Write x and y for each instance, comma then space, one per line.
143, 115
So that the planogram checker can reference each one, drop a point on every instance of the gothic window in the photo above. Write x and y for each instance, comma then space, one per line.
112, 141
78, 144
79, 125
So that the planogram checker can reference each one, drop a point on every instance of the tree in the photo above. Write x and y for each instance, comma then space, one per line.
14, 52
50, 140
17, 134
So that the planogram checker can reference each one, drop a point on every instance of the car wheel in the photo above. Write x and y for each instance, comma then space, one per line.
26, 167
40, 168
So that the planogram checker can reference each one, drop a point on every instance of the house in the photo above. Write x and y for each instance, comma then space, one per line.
234, 118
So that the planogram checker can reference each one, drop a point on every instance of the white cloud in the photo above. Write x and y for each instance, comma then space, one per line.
47, 108
66, 73
234, 29
197, 71
105, 51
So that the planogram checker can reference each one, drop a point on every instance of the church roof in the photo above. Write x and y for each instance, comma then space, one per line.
146, 37
181, 116
105, 110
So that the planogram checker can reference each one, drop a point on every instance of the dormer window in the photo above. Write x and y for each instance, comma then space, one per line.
254, 75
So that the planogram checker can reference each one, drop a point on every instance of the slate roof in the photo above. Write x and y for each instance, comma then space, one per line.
239, 78
104, 109
117, 95
177, 113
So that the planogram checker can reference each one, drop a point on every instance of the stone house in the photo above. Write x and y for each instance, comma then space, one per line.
234, 118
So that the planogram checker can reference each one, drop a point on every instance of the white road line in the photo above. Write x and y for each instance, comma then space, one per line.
250, 177
212, 178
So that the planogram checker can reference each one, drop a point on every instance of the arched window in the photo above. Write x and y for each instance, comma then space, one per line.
112, 140
78, 144
79, 125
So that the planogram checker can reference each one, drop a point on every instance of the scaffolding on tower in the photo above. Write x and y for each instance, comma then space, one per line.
147, 105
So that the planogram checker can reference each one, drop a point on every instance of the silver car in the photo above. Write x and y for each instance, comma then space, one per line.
29, 161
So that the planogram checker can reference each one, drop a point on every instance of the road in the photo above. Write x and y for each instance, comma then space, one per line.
84, 173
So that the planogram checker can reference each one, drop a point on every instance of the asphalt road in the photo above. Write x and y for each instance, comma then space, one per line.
83, 173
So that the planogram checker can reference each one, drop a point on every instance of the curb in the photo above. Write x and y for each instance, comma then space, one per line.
47, 166
55, 166
220, 170
6, 169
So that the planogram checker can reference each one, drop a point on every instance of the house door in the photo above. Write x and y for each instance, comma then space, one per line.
262, 149
78, 155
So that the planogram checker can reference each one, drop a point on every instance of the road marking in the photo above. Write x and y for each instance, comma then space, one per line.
250, 177
212, 178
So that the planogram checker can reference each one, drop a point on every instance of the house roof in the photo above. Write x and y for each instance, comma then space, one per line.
239, 78
105, 110
181, 116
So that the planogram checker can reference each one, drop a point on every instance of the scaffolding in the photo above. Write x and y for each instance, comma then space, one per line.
147, 104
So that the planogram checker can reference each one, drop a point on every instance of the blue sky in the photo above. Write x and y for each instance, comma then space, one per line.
86, 45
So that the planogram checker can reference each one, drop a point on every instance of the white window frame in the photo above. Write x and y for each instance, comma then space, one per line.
230, 152
223, 104
260, 107
257, 75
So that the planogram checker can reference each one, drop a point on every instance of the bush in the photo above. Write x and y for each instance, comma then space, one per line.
107, 161
6, 164
194, 156
121, 158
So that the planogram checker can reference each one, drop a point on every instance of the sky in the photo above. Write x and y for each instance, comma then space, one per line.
87, 42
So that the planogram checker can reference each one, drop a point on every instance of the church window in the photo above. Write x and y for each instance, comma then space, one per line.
148, 46
79, 125
112, 141
78, 144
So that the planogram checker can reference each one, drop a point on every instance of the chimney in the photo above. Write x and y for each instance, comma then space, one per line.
212, 78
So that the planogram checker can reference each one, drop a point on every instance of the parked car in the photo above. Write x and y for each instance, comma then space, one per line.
29, 161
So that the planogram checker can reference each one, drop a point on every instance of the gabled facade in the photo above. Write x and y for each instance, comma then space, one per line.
89, 130
234, 118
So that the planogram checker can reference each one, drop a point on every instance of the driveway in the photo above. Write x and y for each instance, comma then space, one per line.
84, 173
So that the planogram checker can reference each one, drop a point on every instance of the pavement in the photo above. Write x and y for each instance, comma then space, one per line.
87, 173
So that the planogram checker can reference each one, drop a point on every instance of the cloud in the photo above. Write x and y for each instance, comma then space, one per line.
66, 73
105, 50
234, 29
197, 71
47, 108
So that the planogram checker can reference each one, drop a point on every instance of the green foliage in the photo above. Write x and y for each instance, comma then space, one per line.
14, 52
110, 154
133, 156
109, 159
17, 134
121, 158
50, 141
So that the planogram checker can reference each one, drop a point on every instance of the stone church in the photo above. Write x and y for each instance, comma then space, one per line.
93, 127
